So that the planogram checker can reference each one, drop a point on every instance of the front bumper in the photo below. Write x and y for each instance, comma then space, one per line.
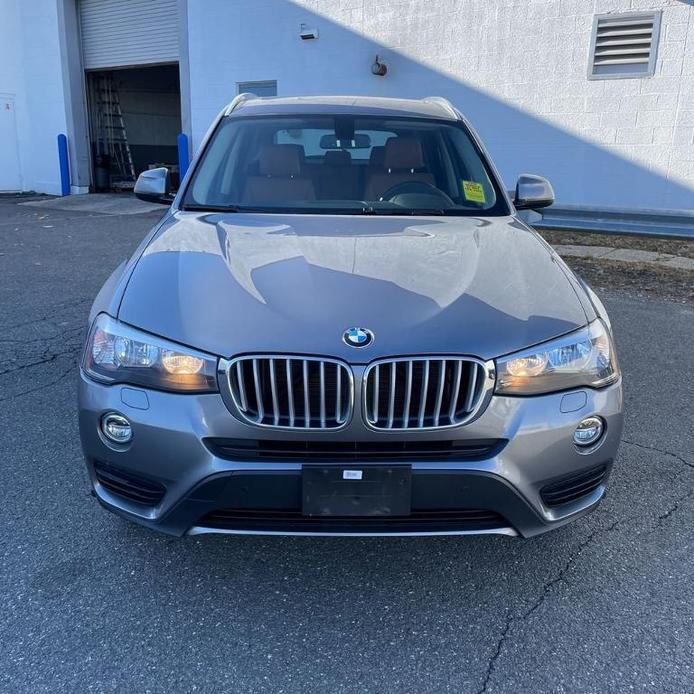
205, 492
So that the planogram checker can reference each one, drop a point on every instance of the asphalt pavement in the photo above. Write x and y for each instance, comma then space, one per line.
91, 603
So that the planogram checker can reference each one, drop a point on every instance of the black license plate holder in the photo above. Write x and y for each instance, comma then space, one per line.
356, 491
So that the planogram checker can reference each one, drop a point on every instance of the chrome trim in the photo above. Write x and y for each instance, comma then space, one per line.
454, 401
422, 395
203, 530
439, 390
474, 407
239, 405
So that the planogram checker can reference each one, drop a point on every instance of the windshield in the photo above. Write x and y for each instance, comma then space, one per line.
345, 165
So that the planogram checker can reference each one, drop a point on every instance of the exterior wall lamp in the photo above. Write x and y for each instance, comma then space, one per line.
379, 68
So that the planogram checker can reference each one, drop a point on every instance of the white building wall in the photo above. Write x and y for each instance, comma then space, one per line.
45, 105
31, 70
11, 96
517, 68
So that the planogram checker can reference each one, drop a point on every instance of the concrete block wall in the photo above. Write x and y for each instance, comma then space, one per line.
11, 97
32, 73
517, 68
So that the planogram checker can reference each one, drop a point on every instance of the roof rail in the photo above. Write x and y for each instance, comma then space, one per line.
444, 103
237, 101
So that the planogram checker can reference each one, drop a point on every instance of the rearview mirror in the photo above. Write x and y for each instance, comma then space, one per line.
358, 141
154, 186
533, 192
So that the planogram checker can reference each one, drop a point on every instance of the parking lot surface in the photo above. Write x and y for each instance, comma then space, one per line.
91, 603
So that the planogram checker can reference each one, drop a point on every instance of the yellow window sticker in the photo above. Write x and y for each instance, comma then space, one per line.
474, 192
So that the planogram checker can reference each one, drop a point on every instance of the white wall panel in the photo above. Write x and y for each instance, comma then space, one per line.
517, 68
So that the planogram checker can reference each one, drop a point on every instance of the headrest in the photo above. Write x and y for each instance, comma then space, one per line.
280, 160
403, 153
337, 157
377, 156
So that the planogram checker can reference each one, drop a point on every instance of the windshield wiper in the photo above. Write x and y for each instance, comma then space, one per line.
193, 206
405, 212
366, 210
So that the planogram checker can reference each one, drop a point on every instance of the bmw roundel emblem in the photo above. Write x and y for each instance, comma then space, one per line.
357, 337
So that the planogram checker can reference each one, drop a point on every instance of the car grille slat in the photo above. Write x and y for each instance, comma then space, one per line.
376, 393
456, 390
471, 389
273, 387
439, 394
424, 392
322, 395
408, 396
307, 400
242, 388
391, 397
291, 392
258, 397
423, 395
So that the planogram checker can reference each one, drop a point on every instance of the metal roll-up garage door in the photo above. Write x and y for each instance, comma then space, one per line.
136, 32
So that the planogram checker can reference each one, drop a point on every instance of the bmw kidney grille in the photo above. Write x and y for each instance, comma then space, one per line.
424, 392
292, 392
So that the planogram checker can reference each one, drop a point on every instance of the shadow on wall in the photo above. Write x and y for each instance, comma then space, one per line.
339, 62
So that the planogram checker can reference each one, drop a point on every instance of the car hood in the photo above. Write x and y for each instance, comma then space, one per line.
237, 283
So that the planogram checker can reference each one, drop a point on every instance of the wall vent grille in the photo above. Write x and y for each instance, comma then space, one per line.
624, 45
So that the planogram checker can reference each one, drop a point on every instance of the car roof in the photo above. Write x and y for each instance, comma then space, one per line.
429, 107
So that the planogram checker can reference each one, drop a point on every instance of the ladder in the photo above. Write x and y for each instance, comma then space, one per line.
111, 136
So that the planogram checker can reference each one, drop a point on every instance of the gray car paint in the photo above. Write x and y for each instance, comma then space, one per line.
230, 283
235, 283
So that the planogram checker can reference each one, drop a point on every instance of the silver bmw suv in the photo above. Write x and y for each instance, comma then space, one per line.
342, 327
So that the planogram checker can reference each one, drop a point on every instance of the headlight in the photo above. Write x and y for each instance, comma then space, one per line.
117, 353
583, 358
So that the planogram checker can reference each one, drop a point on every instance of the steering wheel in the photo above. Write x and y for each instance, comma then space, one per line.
417, 188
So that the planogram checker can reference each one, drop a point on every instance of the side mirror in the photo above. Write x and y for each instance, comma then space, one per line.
532, 192
154, 186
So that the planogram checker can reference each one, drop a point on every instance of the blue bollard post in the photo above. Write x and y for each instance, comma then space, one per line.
183, 157
64, 165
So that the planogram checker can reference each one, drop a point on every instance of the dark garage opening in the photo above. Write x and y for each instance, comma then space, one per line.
134, 119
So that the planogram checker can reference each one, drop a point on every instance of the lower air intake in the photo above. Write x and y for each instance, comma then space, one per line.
422, 521
129, 486
573, 487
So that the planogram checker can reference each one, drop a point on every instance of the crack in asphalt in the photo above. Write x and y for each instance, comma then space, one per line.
55, 309
674, 508
571, 561
659, 450
33, 340
47, 358
679, 500
43, 386
544, 594
24, 355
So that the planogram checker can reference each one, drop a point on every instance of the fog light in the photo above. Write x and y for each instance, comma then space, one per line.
116, 428
588, 431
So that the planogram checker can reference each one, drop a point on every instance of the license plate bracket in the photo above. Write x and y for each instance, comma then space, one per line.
356, 491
